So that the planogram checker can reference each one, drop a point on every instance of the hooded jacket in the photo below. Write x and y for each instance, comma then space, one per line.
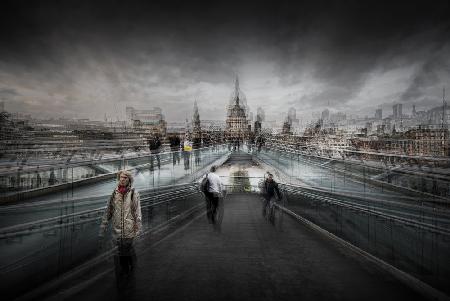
124, 212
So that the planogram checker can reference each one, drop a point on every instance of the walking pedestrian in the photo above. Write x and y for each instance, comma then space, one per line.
155, 147
175, 144
270, 189
213, 191
124, 210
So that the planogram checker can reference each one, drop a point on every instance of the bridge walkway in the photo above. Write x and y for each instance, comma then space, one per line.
247, 258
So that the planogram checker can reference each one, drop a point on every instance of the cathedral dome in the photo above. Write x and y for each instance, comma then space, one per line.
237, 123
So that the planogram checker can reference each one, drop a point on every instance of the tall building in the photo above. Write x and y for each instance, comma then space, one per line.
286, 130
379, 114
292, 115
151, 116
337, 117
325, 114
397, 111
439, 116
151, 120
2, 106
257, 127
260, 115
236, 123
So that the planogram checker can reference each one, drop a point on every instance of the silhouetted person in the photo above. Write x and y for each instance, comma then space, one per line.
154, 144
197, 144
38, 180
52, 178
259, 142
270, 188
175, 148
186, 158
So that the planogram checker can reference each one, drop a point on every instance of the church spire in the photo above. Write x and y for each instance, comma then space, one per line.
196, 126
196, 116
236, 90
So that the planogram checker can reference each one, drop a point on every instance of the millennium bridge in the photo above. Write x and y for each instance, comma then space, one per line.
343, 230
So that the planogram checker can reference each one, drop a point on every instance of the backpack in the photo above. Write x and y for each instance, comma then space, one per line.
204, 185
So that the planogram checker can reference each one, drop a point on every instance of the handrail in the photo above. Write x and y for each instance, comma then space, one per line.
356, 163
429, 158
411, 219
82, 199
46, 167
366, 196
42, 225
435, 198
367, 209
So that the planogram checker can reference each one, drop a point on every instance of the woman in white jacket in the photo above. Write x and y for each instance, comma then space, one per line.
124, 210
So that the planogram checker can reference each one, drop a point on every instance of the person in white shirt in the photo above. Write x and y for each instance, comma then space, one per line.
215, 188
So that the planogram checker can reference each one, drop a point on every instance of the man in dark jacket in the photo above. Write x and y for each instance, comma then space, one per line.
175, 148
270, 188
154, 145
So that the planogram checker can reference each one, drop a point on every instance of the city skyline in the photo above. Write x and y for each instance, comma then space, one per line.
87, 60
327, 114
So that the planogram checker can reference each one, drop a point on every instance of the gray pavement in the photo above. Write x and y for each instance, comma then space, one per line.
249, 259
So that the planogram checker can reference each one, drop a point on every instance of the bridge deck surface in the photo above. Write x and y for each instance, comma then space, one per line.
250, 259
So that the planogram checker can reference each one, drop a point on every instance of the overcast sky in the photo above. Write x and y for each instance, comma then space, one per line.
79, 59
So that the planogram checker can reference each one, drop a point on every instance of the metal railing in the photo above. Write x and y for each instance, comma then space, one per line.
38, 251
431, 182
410, 234
48, 176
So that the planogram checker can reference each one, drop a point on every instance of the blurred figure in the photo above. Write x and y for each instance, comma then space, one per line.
124, 209
175, 144
187, 148
269, 189
213, 190
197, 144
52, 179
154, 144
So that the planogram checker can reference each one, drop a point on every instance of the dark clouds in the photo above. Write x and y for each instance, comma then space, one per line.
8, 93
164, 53
430, 73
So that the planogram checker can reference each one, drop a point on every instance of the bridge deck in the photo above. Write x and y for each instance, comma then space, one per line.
250, 259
